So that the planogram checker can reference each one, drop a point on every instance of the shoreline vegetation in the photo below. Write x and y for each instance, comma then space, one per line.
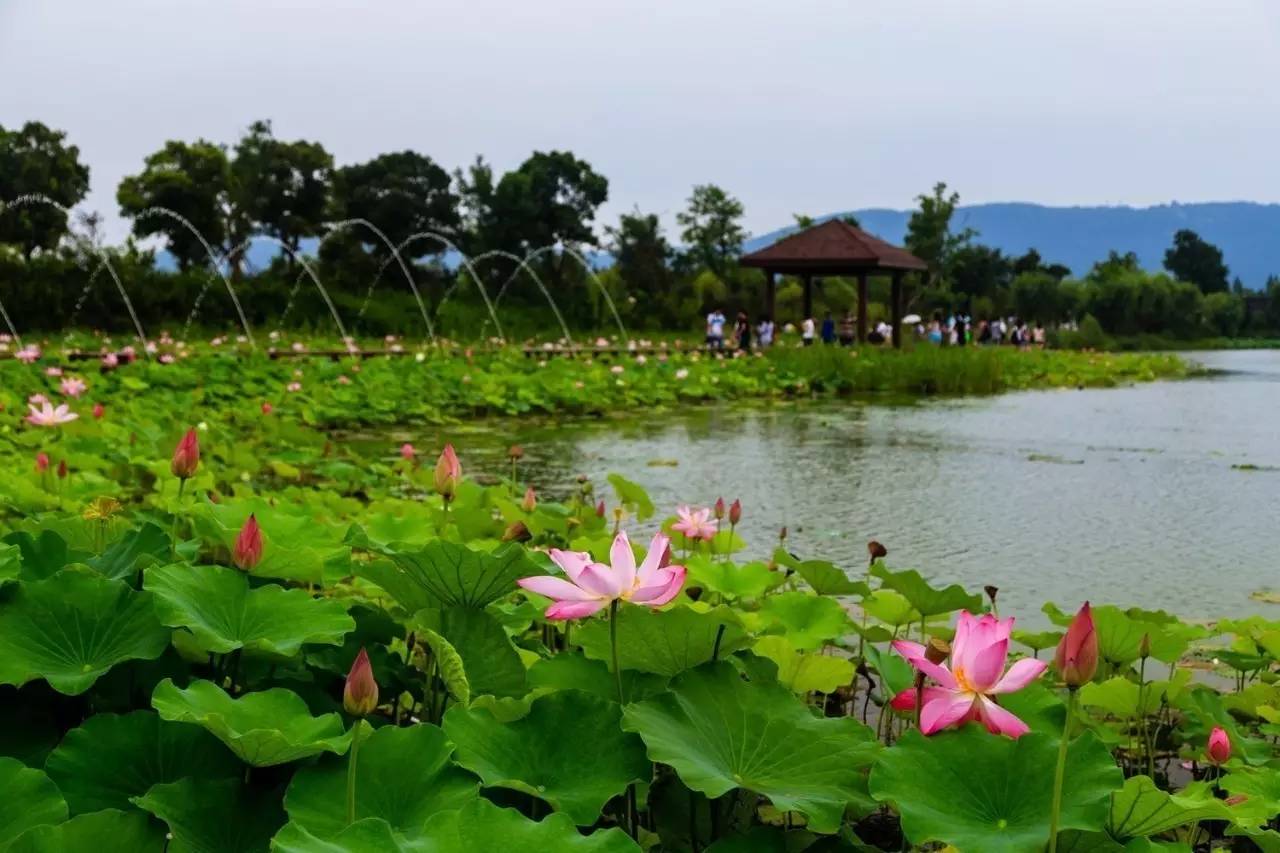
432, 386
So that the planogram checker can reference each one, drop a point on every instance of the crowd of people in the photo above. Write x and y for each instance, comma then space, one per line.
953, 330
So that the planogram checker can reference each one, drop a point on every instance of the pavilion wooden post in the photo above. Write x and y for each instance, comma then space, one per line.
895, 313
862, 307
808, 297
770, 295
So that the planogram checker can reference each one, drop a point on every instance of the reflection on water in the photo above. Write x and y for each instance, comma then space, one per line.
1123, 495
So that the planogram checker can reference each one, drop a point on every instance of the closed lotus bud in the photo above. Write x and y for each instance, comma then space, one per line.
718, 510
98, 411
267, 408
1144, 647
247, 551
735, 512
407, 452
515, 452
1219, 748
600, 509
42, 462
360, 695
62, 469
1077, 655
448, 473
186, 456
517, 531
876, 550
530, 502
937, 651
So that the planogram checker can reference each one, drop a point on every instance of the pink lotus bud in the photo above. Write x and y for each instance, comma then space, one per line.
247, 551
718, 510
530, 502
42, 462
360, 695
267, 408
186, 456
62, 469
98, 411
448, 473
600, 509
1219, 748
735, 512
407, 452
1077, 656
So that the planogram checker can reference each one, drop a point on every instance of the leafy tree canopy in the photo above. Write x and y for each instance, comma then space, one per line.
36, 159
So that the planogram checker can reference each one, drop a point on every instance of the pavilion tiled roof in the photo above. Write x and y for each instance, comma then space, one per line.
831, 248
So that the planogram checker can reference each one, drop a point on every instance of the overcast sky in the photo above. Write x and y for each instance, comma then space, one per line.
792, 105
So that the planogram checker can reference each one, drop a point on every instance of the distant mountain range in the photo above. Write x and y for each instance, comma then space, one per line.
1247, 233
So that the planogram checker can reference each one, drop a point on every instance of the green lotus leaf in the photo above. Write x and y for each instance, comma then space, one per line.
927, 600
30, 799
895, 673
891, 607
491, 663
265, 728
1140, 809
810, 621
749, 580
1261, 787
296, 544
822, 576
403, 776
43, 555
73, 627
10, 562
543, 753
479, 827
1120, 633
573, 671
1205, 709
218, 607
449, 666
1038, 641
985, 793
107, 831
720, 732
801, 672
214, 816
664, 642
148, 545
111, 758
444, 574
632, 496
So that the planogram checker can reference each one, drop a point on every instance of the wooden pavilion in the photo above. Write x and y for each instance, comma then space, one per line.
836, 248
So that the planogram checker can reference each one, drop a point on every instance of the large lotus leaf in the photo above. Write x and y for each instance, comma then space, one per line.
72, 628
985, 793
1260, 786
890, 607
444, 574
30, 799
665, 642
214, 816
572, 671
632, 496
491, 662
265, 728
809, 621
804, 672
568, 751
749, 580
218, 607
43, 555
107, 831
137, 549
1140, 809
111, 758
1205, 709
927, 600
720, 732
10, 562
403, 776
1120, 633
822, 576
1120, 697
480, 827
296, 544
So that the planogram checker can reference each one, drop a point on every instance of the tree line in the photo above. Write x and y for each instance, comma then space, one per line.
291, 191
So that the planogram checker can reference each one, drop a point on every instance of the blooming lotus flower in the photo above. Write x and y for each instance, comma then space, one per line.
49, 415
73, 386
593, 586
407, 452
166, 358
1077, 657
360, 694
37, 399
293, 387
694, 523
247, 551
98, 411
965, 691
55, 372
110, 361
186, 456
1219, 748
448, 472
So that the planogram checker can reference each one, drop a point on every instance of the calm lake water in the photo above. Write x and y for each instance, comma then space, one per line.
1124, 495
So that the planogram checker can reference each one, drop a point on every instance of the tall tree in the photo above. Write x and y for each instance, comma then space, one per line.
193, 180
1193, 259
36, 160
978, 270
929, 234
712, 228
283, 187
641, 253
1115, 266
402, 194
551, 198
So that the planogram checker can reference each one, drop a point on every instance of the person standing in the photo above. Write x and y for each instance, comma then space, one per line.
828, 329
715, 329
846, 330
742, 332
764, 333
806, 331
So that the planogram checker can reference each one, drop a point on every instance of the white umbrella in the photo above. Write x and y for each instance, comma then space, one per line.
910, 318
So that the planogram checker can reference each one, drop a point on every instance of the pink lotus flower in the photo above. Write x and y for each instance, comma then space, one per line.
343, 380
28, 354
267, 408
49, 415
593, 586
964, 692
694, 523
448, 473
110, 360
98, 411
1219, 748
407, 452
1077, 656
73, 386
167, 358
247, 551
360, 693
293, 387
42, 462
186, 456
55, 372
37, 399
